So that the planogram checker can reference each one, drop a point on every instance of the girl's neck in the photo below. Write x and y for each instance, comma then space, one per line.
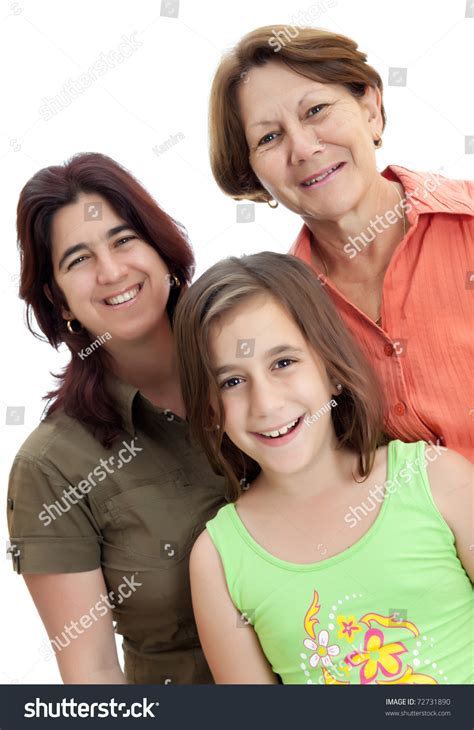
331, 466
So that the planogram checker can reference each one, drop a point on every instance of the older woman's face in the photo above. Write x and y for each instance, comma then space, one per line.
298, 129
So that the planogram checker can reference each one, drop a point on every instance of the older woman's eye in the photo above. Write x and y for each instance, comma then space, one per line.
268, 138
316, 109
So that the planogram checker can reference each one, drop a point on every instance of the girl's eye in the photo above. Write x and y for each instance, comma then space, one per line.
268, 138
231, 383
284, 363
313, 108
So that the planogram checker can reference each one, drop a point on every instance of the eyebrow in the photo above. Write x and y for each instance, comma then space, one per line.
269, 353
273, 121
79, 246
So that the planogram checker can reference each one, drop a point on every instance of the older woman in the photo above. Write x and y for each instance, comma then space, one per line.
299, 124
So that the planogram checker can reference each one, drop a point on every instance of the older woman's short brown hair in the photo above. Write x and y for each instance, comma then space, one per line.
316, 54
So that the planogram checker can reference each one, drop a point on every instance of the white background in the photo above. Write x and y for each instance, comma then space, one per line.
162, 90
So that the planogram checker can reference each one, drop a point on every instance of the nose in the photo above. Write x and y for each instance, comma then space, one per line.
304, 143
110, 269
266, 398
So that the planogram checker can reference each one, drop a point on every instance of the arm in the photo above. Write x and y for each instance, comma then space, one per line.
452, 486
232, 648
88, 654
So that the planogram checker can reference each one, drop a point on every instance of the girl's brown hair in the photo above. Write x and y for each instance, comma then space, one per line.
358, 418
82, 392
316, 54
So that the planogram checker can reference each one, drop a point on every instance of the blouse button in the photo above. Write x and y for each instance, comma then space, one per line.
399, 409
10, 503
388, 349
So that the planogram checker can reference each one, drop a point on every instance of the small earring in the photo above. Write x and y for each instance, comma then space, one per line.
244, 485
272, 203
378, 142
173, 281
71, 329
339, 387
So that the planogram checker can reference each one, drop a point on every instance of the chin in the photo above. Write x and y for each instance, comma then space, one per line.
131, 336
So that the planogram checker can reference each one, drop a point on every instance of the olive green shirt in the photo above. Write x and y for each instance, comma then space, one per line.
134, 510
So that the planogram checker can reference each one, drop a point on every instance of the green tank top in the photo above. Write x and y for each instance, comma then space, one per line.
396, 607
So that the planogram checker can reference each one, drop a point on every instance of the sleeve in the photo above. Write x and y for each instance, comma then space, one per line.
50, 532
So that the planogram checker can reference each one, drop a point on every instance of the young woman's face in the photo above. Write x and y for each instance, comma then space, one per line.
298, 129
112, 281
270, 381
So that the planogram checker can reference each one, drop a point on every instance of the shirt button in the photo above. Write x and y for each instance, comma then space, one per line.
10, 503
388, 349
399, 409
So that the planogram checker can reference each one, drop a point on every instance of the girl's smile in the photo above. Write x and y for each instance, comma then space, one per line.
282, 435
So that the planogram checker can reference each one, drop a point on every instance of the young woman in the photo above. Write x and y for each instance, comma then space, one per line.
108, 494
300, 122
337, 562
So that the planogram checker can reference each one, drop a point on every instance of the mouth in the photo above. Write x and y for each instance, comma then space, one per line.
279, 435
126, 296
321, 176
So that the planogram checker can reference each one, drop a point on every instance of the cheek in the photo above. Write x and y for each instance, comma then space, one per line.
78, 290
233, 417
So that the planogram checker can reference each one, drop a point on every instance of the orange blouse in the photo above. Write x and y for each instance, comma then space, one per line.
422, 352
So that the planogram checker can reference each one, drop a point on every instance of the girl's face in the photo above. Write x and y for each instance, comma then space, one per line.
298, 129
112, 280
270, 381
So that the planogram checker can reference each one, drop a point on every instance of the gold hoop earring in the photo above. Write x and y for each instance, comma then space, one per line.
275, 203
69, 325
378, 142
173, 281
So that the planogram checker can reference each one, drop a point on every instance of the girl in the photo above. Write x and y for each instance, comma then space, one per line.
108, 494
341, 559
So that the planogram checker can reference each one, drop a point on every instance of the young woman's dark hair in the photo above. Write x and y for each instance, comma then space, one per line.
81, 391
358, 418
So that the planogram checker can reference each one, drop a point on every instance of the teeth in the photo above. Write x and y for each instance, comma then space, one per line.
125, 297
320, 177
280, 432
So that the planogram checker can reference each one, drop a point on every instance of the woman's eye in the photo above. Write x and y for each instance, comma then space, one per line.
125, 240
284, 363
231, 383
268, 138
76, 261
315, 109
